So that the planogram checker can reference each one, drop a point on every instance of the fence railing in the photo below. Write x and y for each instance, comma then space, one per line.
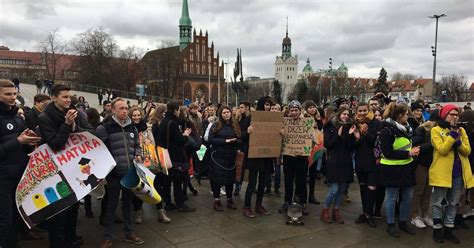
119, 93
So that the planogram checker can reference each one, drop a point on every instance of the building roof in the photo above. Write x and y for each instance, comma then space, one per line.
185, 20
343, 67
472, 87
307, 67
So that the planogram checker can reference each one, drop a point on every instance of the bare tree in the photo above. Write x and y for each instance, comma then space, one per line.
403, 76
52, 48
96, 49
455, 87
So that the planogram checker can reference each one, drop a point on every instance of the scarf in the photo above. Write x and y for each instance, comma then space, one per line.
406, 129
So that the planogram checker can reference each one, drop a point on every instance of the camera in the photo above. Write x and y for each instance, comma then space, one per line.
462, 124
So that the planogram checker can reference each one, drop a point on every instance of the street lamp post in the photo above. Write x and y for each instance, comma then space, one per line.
226, 84
209, 82
330, 82
435, 51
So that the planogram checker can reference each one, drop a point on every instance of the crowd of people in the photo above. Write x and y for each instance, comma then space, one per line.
413, 161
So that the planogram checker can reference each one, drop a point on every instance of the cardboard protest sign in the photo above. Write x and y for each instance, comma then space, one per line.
265, 140
53, 181
140, 179
298, 136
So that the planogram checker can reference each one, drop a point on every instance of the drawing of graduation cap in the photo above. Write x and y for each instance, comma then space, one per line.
84, 165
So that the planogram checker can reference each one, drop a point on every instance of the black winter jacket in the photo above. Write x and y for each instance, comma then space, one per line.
122, 142
31, 118
339, 149
395, 176
177, 141
54, 130
422, 138
364, 154
222, 166
13, 155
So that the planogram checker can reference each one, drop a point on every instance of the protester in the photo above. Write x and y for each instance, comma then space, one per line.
192, 145
225, 140
295, 169
427, 112
449, 173
56, 122
422, 191
93, 117
416, 117
244, 123
121, 138
467, 117
171, 138
340, 135
259, 168
40, 101
139, 123
398, 165
276, 166
312, 111
368, 171
16, 142
162, 181
107, 106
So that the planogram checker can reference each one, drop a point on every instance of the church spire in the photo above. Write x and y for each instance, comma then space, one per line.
286, 45
185, 27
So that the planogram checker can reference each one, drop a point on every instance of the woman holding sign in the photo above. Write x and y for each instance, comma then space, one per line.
224, 138
340, 136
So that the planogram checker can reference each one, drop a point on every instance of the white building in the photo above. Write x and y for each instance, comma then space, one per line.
286, 68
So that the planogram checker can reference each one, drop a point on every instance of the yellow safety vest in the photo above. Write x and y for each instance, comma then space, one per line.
400, 143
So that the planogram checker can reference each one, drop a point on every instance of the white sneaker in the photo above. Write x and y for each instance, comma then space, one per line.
428, 221
468, 214
418, 222
223, 193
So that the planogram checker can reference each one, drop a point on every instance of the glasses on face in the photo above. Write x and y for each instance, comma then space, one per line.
454, 115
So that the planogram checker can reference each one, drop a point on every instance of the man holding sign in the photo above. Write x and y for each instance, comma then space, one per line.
56, 122
297, 135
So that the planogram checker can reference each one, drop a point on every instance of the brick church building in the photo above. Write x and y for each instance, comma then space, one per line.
185, 71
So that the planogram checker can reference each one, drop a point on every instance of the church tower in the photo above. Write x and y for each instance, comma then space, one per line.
286, 67
185, 27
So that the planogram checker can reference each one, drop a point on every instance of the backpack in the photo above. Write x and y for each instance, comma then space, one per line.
378, 148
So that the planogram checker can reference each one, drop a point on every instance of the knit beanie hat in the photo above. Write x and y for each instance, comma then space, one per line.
309, 103
446, 109
415, 106
294, 104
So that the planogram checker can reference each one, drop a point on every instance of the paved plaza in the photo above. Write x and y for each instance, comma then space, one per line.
208, 228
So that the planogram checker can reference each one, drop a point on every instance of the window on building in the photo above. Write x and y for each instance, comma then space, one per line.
288, 77
185, 68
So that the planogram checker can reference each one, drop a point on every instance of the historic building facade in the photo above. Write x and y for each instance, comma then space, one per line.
197, 70
286, 67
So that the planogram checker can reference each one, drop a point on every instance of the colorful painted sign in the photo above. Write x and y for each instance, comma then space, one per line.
53, 181
298, 136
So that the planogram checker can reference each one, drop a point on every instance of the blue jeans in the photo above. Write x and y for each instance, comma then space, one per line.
449, 198
405, 204
336, 191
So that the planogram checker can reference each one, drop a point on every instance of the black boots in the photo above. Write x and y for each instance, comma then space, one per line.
449, 236
406, 227
392, 231
438, 235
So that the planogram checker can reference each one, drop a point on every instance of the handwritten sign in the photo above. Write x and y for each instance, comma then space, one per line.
53, 181
265, 140
298, 136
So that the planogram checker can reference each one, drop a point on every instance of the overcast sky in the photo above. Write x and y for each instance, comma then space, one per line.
366, 35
